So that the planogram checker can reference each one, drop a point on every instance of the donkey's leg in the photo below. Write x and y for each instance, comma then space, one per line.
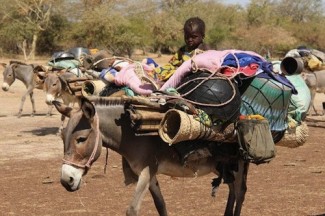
235, 175
229, 179
62, 124
240, 185
157, 196
31, 95
312, 106
231, 200
23, 98
140, 191
129, 176
49, 110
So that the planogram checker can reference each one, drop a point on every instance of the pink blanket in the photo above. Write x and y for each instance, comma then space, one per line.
210, 60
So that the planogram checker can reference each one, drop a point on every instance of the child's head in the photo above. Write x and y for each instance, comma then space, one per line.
194, 32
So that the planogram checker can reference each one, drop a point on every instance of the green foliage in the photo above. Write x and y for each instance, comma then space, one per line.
122, 26
49, 41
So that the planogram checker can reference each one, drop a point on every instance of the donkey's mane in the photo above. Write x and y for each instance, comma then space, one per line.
107, 101
17, 62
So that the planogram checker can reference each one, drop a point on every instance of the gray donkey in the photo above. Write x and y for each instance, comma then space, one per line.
105, 123
25, 73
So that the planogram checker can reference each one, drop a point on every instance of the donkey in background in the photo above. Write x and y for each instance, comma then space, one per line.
27, 74
316, 83
56, 87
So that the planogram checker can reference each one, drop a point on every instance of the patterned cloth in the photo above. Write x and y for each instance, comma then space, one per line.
163, 73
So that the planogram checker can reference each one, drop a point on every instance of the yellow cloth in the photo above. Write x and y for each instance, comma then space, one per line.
314, 63
163, 73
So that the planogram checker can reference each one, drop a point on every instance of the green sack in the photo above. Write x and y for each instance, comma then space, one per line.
64, 64
255, 141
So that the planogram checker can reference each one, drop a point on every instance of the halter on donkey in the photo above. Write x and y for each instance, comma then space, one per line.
106, 123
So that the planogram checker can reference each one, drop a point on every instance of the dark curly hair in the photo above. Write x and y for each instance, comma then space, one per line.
195, 24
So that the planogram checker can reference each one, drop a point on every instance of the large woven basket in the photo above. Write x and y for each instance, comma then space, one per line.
295, 137
177, 126
92, 87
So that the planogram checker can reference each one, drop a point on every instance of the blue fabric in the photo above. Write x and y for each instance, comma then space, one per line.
151, 61
103, 73
107, 70
245, 59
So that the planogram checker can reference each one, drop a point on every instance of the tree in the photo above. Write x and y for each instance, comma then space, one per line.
166, 29
300, 11
259, 12
33, 17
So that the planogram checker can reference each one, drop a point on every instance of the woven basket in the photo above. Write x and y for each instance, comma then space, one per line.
295, 138
92, 87
177, 126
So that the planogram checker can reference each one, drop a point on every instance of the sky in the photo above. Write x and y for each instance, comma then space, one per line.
240, 2
244, 2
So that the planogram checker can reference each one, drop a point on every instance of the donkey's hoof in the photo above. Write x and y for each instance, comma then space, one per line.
59, 133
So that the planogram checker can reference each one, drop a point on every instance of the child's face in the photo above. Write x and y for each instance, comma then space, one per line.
193, 39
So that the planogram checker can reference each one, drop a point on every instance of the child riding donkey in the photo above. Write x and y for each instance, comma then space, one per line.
133, 76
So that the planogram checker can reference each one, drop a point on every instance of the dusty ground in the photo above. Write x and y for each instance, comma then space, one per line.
30, 159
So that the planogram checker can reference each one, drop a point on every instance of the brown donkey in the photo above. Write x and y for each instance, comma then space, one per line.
104, 122
56, 86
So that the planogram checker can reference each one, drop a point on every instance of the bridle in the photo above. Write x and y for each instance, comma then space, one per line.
92, 156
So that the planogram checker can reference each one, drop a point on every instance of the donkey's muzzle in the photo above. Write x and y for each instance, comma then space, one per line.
5, 87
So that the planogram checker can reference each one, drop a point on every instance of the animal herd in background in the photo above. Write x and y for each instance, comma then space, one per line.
54, 80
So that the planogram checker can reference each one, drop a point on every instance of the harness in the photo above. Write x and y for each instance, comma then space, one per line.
92, 156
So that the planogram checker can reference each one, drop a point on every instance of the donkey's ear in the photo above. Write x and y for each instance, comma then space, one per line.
62, 108
87, 108
14, 65
3, 64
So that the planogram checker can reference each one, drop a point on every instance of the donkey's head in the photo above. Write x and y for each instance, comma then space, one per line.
8, 75
82, 142
52, 87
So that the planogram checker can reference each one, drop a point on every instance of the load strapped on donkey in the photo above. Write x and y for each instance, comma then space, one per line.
215, 114
236, 97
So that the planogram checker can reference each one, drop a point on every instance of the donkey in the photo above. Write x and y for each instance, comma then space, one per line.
56, 86
105, 122
316, 83
25, 73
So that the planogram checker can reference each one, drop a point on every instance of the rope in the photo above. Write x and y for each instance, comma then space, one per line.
112, 58
106, 160
214, 75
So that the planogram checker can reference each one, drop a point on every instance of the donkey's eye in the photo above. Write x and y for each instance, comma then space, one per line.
81, 139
